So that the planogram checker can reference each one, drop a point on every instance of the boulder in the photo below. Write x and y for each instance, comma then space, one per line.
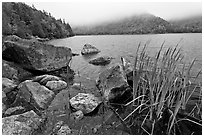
56, 85
113, 85
101, 61
89, 49
36, 56
34, 93
8, 85
84, 102
23, 124
14, 111
14, 72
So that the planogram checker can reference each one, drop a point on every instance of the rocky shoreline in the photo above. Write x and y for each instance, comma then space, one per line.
33, 73
39, 95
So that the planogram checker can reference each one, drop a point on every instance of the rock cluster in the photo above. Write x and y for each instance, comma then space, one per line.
30, 97
31, 79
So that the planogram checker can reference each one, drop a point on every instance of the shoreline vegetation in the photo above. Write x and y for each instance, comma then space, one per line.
41, 95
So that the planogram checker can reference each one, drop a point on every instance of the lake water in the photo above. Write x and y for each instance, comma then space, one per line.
117, 46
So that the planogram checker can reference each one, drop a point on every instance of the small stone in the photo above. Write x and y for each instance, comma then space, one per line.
78, 115
84, 102
96, 128
57, 126
56, 85
43, 79
64, 130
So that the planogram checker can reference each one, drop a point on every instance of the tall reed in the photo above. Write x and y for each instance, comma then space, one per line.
163, 82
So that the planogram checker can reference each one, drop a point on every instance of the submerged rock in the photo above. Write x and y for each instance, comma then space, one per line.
84, 102
101, 61
113, 84
23, 124
89, 49
36, 56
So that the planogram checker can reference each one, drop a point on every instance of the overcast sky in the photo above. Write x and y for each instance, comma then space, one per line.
90, 12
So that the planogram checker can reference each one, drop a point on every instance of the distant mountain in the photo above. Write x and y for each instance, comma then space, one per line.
25, 21
188, 24
138, 24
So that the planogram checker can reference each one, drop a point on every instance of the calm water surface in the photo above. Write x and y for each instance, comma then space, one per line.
117, 46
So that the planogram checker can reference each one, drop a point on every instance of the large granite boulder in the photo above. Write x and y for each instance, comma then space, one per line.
35, 94
36, 56
84, 102
23, 124
101, 61
113, 85
89, 49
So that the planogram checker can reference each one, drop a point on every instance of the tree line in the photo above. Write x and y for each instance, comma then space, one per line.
26, 21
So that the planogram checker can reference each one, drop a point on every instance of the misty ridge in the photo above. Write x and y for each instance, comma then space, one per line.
143, 23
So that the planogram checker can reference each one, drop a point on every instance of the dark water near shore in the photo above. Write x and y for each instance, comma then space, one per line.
117, 46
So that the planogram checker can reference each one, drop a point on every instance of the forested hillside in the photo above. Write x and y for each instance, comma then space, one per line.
190, 24
25, 21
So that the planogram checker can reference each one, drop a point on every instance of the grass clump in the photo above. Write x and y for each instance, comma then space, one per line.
163, 93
